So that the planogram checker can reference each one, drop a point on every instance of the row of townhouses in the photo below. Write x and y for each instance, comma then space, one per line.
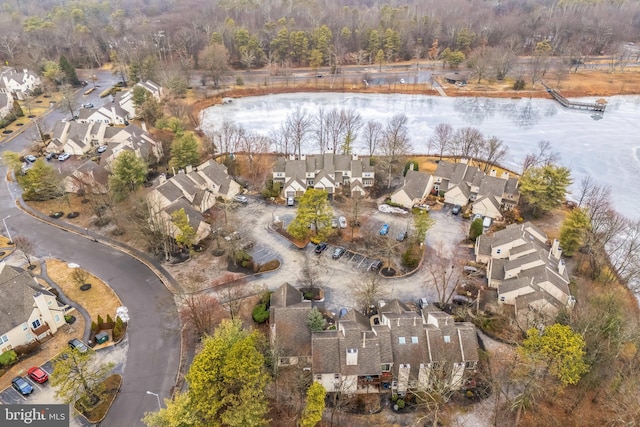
461, 184
397, 351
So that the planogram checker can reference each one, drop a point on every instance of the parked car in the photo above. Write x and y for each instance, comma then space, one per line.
401, 236
38, 375
384, 230
290, 201
88, 105
375, 265
423, 302
102, 149
423, 207
338, 253
30, 158
64, 156
51, 156
456, 209
22, 386
343, 222
241, 199
475, 217
334, 223
487, 222
76, 344
320, 247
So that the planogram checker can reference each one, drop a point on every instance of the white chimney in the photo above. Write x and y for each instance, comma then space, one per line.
354, 157
292, 156
162, 178
189, 168
505, 175
492, 172
561, 267
555, 249
303, 157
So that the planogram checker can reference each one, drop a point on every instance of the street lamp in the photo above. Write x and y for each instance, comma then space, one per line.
7, 228
157, 398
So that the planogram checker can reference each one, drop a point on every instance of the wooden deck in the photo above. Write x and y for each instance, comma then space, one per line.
593, 106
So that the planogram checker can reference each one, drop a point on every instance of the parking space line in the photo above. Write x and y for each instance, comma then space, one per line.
33, 382
18, 393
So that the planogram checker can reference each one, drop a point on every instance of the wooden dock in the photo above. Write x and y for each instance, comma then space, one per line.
599, 105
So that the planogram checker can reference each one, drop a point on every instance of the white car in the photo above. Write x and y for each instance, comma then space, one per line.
64, 156
102, 149
342, 221
241, 199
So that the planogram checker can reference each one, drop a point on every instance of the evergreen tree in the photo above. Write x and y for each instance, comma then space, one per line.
69, 71
545, 187
184, 152
314, 407
128, 173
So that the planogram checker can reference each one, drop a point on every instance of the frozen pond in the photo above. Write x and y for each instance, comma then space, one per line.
605, 146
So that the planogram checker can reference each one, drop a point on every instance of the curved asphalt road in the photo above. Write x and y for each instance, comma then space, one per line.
153, 331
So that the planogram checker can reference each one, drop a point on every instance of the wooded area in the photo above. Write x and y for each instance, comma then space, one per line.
137, 36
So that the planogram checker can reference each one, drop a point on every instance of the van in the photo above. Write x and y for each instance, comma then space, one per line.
290, 201
486, 223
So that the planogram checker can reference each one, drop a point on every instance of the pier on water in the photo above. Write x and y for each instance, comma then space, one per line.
599, 105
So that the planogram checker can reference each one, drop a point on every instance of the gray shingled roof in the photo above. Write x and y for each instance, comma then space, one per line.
17, 288
325, 351
292, 333
195, 217
285, 296
415, 184
492, 185
170, 191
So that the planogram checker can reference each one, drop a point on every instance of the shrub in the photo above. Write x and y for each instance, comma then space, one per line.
118, 329
100, 321
8, 358
94, 328
269, 266
239, 81
260, 313
407, 166
400, 403
265, 298
109, 319
518, 84
475, 230
23, 350
67, 318
307, 295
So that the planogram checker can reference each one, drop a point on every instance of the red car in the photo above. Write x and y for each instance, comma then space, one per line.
38, 375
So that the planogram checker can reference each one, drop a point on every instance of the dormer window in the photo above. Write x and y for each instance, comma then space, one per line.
402, 340
447, 339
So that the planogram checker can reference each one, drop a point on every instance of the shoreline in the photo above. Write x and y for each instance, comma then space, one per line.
471, 90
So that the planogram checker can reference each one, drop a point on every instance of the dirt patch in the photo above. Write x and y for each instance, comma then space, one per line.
99, 300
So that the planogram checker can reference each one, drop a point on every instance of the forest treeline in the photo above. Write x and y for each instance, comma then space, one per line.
316, 33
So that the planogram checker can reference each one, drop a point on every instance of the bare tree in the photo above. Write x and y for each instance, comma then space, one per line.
372, 133
298, 125
335, 125
442, 138
367, 292
255, 147
232, 297
492, 151
395, 142
466, 142
26, 247
352, 125
444, 276
544, 156
320, 130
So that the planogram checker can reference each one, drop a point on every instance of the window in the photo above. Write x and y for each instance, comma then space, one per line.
502, 299
498, 251
470, 364
367, 182
57, 318
24, 327
336, 376
447, 339
4, 339
386, 367
49, 302
35, 323
309, 182
401, 340
318, 377
414, 340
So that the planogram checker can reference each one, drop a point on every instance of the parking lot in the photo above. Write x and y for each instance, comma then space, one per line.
348, 261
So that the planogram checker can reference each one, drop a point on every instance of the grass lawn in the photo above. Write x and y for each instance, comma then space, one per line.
99, 300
